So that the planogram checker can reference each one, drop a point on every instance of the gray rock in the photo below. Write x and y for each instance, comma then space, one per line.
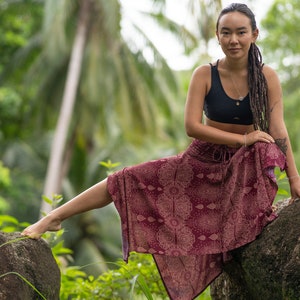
269, 267
32, 260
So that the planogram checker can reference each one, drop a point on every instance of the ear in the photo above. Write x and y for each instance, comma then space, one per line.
217, 35
255, 35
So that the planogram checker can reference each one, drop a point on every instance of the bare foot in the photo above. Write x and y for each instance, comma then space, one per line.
48, 223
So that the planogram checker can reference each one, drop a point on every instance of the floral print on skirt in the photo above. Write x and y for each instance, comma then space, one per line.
191, 209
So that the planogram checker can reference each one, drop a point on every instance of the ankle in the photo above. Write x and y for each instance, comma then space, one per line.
53, 218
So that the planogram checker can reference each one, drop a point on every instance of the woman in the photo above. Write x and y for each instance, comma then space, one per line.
190, 210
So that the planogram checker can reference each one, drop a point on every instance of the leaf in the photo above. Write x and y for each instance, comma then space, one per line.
8, 219
142, 283
282, 176
24, 224
26, 281
8, 229
132, 286
59, 249
47, 200
283, 192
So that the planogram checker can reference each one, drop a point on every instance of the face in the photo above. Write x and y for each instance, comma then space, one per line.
235, 34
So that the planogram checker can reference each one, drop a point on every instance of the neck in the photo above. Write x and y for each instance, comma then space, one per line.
234, 65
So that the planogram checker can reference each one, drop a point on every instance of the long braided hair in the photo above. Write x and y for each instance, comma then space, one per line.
258, 88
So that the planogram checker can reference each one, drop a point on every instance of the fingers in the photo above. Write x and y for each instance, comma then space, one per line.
265, 137
292, 200
259, 136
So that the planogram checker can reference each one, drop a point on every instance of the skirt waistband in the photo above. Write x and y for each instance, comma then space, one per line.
209, 152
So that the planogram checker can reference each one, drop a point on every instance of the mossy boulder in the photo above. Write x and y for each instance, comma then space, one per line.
26, 262
269, 267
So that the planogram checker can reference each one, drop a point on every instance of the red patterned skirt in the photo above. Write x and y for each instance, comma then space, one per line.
189, 210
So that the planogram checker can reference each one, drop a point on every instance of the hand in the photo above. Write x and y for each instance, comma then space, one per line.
257, 136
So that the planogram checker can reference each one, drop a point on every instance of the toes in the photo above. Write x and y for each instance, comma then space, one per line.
30, 234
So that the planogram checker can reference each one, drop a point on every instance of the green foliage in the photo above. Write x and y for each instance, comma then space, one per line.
9, 104
10, 108
11, 224
281, 48
4, 176
110, 166
281, 25
54, 202
23, 195
5, 182
283, 185
18, 21
138, 277
3, 205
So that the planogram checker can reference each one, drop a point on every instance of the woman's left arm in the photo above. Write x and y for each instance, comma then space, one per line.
278, 129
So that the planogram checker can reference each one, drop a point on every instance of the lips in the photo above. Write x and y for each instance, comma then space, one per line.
234, 50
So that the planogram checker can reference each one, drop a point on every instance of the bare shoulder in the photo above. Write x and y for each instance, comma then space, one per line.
202, 74
274, 86
200, 83
270, 73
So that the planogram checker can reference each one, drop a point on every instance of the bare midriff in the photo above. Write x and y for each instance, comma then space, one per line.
234, 128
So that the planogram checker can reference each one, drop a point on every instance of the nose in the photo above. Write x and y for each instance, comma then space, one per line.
234, 39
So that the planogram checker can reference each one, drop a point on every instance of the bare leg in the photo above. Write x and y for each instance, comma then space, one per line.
95, 197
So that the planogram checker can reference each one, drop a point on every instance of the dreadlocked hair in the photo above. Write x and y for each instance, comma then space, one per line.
258, 90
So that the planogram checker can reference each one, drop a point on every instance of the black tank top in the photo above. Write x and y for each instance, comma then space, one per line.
221, 108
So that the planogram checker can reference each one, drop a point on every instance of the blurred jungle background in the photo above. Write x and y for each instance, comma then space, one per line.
90, 86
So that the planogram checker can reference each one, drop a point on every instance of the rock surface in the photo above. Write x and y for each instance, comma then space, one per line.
32, 260
269, 267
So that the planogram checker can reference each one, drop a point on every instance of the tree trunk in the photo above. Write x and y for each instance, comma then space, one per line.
54, 170
269, 267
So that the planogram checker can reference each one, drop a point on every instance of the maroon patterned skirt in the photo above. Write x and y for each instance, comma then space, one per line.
189, 210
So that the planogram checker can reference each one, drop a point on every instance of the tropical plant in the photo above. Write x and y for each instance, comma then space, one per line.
114, 86
205, 14
280, 24
5, 182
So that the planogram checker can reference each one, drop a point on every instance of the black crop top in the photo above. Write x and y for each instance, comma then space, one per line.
221, 108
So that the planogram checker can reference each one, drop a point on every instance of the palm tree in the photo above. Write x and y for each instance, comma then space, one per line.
53, 179
105, 77
205, 14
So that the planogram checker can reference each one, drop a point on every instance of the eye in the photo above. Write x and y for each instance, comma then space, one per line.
225, 32
242, 32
